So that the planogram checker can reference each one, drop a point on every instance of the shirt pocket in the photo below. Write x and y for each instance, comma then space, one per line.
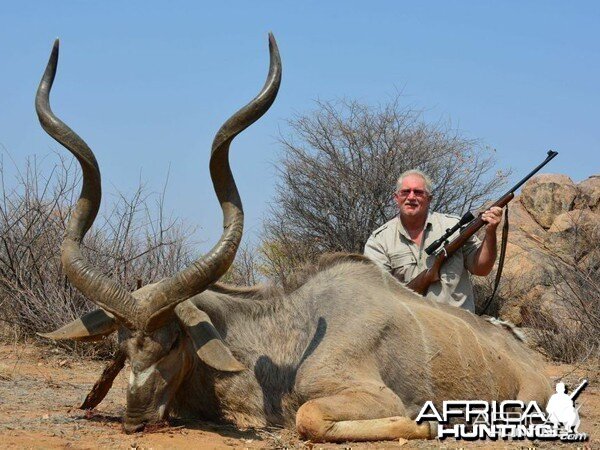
403, 265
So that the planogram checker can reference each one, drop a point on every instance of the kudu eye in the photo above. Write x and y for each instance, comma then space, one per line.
175, 342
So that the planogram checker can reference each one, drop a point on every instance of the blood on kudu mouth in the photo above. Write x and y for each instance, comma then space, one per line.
146, 427
145, 422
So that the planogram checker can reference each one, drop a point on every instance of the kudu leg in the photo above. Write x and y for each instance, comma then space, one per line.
358, 415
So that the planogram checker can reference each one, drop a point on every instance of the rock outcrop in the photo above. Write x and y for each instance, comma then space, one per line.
589, 194
549, 224
548, 195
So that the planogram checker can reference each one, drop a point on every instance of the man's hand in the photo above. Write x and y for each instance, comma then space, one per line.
486, 254
492, 216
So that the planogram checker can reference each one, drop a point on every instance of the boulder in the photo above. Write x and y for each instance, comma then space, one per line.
525, 236
548, 195
577, 219
589, 194
520, 220
522, 274
524, 279
522, 264
573, 234
522, 310
590, 263
554, 227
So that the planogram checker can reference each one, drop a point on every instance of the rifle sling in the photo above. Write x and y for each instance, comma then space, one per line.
500, 261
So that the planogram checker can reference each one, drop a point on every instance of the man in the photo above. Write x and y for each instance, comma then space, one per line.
399, 245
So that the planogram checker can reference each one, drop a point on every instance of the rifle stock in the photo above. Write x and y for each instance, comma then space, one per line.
420, 284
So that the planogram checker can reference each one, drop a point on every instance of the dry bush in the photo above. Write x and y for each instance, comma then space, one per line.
132, 240
483, 288
566, 323
561, 312
245, 270
511, 298
338, 174
511, 292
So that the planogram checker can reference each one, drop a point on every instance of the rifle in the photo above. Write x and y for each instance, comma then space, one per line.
420, 284
573, 395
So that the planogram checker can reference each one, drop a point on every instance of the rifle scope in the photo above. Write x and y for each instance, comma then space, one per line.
449, 232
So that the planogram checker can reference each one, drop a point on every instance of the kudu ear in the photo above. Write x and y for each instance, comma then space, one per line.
207, 342
92, 326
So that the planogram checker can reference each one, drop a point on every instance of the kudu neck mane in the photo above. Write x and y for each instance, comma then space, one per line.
295, 281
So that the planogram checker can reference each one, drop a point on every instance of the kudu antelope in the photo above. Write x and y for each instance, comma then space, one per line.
347, 354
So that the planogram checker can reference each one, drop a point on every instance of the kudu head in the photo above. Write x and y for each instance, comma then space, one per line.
159, 332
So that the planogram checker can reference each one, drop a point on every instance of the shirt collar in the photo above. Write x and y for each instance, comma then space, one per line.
403, 232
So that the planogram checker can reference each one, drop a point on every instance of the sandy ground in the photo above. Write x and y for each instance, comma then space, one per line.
40, 389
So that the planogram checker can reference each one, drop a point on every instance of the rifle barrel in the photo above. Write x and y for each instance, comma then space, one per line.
576, 392
551, 155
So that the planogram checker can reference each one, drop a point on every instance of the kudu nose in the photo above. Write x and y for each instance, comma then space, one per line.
133, 427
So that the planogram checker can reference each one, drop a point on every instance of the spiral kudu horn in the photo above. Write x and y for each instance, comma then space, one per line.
194, 279
209, 268
89, 280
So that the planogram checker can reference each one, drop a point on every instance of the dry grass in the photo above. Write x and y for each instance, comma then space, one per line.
131, 241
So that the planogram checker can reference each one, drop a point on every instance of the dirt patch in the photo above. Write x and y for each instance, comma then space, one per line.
41, 388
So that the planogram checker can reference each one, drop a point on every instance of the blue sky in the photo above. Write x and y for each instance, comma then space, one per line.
147, 84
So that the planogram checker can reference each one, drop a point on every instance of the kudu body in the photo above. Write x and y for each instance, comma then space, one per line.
349, 354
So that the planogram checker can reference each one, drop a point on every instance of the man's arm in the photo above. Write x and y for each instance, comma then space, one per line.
375, 251
485, 257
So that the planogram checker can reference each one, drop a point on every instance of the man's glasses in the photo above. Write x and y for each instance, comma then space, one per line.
417, 192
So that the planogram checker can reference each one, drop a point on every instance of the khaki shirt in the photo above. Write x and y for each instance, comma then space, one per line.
391, 247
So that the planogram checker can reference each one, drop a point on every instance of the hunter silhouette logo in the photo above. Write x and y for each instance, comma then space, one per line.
509, 419
561, 408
